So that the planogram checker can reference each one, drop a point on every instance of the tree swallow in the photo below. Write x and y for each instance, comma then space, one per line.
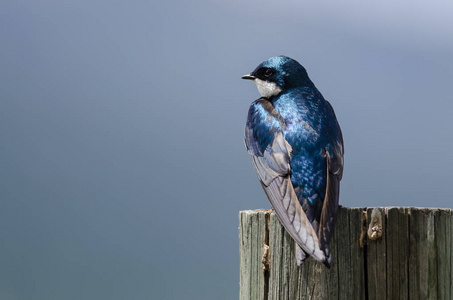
296, 146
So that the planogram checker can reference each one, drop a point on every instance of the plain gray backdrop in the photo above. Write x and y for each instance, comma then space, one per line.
122, 163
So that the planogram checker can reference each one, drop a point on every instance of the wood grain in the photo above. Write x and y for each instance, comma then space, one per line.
411, 260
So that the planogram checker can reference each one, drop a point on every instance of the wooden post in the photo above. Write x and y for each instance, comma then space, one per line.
388, 253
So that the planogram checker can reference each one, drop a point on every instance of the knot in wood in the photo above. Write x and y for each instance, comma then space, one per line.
375, 227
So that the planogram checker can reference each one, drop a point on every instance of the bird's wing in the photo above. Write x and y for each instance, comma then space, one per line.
273, 169
334, 161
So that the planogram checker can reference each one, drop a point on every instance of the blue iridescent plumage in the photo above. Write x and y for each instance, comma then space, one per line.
296, 146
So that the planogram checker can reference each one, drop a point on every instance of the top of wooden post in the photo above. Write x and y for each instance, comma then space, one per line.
377, 253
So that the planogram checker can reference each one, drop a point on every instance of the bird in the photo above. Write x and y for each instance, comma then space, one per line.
296, 146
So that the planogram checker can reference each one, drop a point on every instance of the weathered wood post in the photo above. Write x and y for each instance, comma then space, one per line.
391, 253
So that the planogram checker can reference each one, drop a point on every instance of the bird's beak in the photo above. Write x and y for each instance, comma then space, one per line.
249, 77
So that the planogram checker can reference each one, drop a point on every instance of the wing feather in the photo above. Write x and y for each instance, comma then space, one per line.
330, 205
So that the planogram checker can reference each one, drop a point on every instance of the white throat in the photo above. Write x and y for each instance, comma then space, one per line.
267, 89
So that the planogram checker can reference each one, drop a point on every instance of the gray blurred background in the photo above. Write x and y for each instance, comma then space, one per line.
122, 164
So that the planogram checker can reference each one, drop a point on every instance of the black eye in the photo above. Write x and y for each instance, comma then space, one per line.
268, 72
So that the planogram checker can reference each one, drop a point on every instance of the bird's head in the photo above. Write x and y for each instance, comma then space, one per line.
278, 74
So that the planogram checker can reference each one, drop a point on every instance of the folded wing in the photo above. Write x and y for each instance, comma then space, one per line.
273, 168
